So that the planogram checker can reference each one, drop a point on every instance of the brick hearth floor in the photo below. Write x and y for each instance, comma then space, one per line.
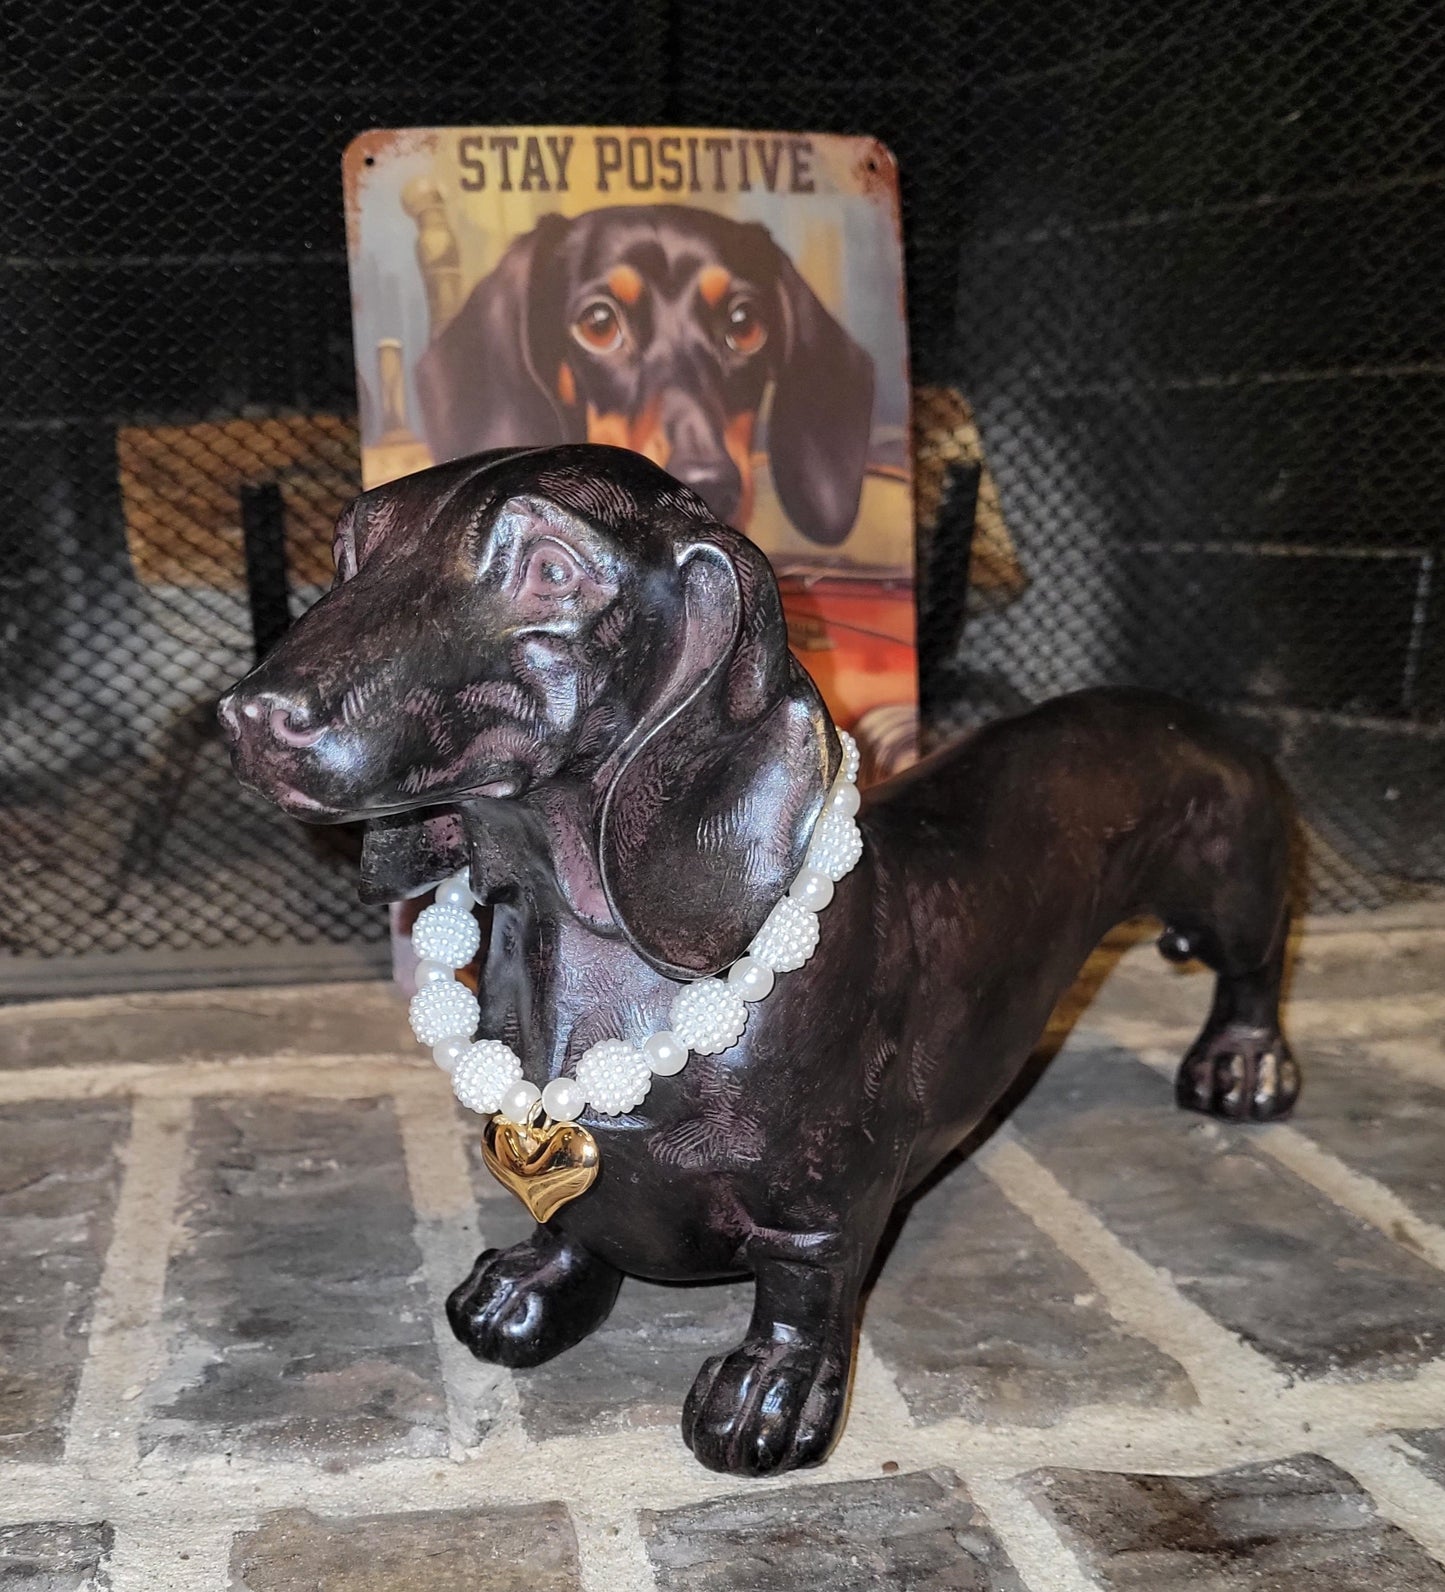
1122, 1348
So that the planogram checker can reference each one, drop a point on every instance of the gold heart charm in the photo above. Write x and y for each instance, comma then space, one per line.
545, 1165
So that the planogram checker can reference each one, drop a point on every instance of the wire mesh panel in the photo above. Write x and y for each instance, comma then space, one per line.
1181, 262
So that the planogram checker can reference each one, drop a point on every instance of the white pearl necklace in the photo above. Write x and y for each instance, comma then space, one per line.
708, 1015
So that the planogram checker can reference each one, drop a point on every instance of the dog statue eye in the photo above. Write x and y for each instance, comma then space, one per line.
598, 328
744, 331
550, 573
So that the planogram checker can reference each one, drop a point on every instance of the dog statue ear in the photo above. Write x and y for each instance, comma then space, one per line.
706, 821
477, 382
822, 414
402, 856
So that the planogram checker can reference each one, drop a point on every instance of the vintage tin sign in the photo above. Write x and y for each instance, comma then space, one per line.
728, 303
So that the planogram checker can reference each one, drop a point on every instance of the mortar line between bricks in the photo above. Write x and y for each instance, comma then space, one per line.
877, 1392
124, 1343
1418, 1058
150, 1560
1353, 1191
337, 1077
627, 1470
1225, 1372
445, 1208
610, 1550
1402, 1492
1037, 1550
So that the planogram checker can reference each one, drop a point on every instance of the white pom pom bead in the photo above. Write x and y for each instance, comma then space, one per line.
665, 1054
845, 799
852, 758
788, 937
446, 935
812, 889
455, 892
614, 1077
443, 1011
708, 1016
836, 846
563, 1099
750, 978
519, 1100
485, 1073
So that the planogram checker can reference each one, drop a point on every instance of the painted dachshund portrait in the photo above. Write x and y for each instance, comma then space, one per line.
558, 668
660, 328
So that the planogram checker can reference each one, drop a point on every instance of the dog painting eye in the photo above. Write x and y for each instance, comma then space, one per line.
744, 330
551, 572
597, 327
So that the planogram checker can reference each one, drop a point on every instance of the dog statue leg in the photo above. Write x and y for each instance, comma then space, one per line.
777, 1400
520, 1306
1240, 1067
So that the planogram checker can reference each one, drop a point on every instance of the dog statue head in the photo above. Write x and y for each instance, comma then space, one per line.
535, 633
659, 328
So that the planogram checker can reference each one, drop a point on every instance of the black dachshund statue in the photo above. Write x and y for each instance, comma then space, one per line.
553, 668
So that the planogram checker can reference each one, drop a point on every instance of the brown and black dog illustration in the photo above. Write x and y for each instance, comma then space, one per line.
659, 328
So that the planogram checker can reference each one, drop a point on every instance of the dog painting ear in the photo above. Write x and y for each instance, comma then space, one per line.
706, 821
478, 382
822, 414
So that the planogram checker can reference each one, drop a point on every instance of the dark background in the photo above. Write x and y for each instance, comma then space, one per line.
1185, 261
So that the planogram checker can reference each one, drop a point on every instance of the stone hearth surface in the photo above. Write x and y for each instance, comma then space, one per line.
1121, 1348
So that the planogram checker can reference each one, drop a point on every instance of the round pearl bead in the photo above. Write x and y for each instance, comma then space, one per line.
664, 1054
443, 1011
455, 893
562, 1100
750, 978
517, 1103
446, 935
449, 1053
812, 889
852, 758
845, 800
432, 973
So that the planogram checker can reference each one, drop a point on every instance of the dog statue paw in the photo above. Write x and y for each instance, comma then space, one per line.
772, 1404
729, 1012
523, 1305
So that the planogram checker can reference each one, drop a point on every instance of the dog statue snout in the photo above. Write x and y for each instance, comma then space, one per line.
292, 721
228, 711
292, 726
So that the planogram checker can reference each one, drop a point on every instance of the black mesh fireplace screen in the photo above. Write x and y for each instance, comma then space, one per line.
1182, 261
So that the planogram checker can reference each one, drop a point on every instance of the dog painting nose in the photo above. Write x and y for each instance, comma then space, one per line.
716, 482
